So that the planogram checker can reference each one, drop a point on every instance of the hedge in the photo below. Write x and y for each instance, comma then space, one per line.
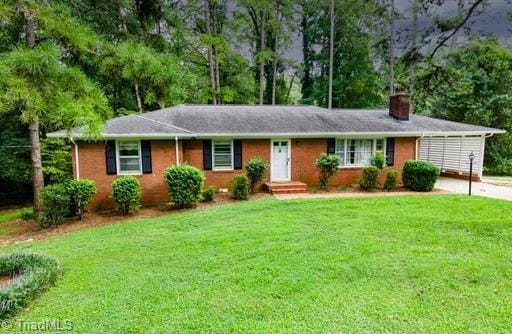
420, 175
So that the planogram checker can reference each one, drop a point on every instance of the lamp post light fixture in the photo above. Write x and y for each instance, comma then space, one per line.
471, 158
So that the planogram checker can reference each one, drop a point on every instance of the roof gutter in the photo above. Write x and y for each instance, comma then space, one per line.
416, 148
77, 162
285, 134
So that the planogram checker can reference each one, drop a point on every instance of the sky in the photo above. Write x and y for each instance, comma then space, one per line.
493, 21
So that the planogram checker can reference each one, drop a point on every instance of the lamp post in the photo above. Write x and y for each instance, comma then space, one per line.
471, 158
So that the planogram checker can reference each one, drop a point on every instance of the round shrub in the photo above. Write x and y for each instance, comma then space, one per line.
255, 171
241, 187
420, 175
27, 214
391, 180
379, 160
328, 165
126, 194
55, 203
33, 273
368, 180
80, 193
208, 194
185, 183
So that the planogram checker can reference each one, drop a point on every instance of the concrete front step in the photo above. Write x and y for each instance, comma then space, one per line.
286, 187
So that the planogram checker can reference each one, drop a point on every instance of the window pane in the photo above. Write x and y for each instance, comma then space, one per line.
379, 144
284, 143
128, 148
276, 143
359, 152
129, 164
222, 155
340, 150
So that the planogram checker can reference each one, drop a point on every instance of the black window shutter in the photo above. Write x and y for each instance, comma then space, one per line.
207, 154
237, 154
390, 151
110, 157
145, 146
331, 145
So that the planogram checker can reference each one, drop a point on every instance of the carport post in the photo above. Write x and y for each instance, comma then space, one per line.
471, 157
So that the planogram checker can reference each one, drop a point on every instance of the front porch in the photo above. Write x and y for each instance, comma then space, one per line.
291, 187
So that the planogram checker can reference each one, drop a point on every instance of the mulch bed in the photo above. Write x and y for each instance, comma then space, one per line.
20, 230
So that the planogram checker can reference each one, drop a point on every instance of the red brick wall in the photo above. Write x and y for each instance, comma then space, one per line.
193, 154
303, 154
305, 151
92, 166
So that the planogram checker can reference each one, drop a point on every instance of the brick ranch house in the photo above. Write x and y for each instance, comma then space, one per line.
220, 139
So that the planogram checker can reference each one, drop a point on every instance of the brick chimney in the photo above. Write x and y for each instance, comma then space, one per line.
399, 106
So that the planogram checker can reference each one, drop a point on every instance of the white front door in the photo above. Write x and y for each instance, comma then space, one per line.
280, 165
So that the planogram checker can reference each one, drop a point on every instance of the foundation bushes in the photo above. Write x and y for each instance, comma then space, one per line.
256, 168
420, 175
391, 180
208, 194
185, 184
368, 180
126, 192
328, 165
80, 194
55, 202
32, 273
241, 187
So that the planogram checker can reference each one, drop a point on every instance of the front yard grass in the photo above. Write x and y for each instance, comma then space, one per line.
380, 264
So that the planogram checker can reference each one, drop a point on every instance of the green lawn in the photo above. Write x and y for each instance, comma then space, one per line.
393, 264
9, 215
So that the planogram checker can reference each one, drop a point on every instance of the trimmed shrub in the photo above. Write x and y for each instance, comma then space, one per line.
391, 180
185, 183
241, 187
126, 192
55, 203
255, 171
208, 194
328, 165
379, 160
33, 273
27, 214
80, 193
420, 175
368, 180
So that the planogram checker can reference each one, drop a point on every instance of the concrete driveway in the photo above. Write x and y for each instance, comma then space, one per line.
485, 188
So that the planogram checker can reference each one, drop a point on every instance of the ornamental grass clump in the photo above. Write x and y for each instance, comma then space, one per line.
185, 183
126, 193
420, 175
328, 165
256, 168
32, 274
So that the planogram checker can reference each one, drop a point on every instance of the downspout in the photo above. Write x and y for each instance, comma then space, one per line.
416, 149
77, 162
177, 151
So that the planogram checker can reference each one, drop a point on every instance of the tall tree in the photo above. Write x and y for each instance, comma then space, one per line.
392, 47
331, 52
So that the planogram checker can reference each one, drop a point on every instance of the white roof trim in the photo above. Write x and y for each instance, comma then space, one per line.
288, 135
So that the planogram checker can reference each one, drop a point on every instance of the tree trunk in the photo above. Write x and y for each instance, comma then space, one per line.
37, 168
274, 74
211, 65
414, 45
216, 59
262, 63
33, 126
290, 87
392, 48
455, 37
331, 53
137, 95
120, 10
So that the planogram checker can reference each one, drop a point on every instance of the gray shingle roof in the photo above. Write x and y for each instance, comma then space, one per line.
260, 121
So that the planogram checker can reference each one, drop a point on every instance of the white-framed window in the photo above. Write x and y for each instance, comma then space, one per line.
222, 154
129, 159
358, 152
